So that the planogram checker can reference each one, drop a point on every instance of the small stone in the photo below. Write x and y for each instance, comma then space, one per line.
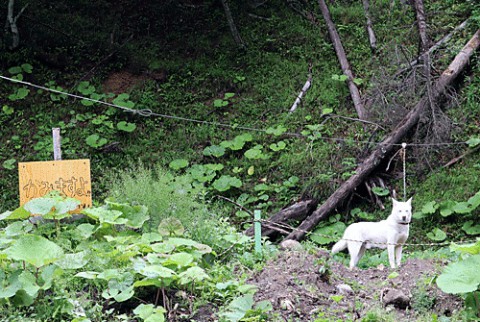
395, 297
290, 244
344, 289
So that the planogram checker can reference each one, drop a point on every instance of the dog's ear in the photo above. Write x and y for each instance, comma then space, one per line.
409, 201
394, 201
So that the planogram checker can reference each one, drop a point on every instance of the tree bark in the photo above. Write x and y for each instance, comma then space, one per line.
342, 57
297, 211
371, 34
387, 145
421, 25
11, 23
231, 24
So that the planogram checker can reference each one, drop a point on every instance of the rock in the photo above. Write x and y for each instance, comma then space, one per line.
397, 298
344, 289
290, 244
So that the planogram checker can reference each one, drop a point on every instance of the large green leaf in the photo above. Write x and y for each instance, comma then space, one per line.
472, 249
73, 261
35, 250
437, 235
237, 309
150, 313
193, 274
461, 277
40, 206
225, 182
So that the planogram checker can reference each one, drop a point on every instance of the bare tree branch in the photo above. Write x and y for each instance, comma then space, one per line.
371, 34
342, 57
231, 24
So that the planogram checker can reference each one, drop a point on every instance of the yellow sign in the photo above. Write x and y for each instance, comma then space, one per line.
70, 177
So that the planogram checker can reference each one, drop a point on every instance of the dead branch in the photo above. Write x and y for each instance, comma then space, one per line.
371, 34
460, 157
342, 58
437, 45
304, 90
386, 146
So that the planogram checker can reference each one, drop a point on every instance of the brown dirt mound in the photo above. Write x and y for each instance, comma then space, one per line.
303, 287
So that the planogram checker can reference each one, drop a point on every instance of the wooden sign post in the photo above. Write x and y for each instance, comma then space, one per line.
69, 177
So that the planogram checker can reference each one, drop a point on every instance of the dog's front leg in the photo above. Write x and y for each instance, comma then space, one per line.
391, 255
398, 254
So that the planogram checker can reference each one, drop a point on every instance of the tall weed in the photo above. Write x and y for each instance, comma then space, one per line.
166, 196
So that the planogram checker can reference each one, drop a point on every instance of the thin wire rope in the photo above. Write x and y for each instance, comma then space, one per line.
149, 112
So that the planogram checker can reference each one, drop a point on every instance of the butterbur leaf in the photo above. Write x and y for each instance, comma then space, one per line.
125, 126
238, 308
471, 229
178, 164
473, 142
29, 283
193, 274
277, 131
214, 150
150, 313
379, 191
430, 207
474, 201
472, 249
181, 259
460, 277
40, 206
278, 146
437, 235
462, 208
225, 182
19, 213
73, 261
35, 250
446, 208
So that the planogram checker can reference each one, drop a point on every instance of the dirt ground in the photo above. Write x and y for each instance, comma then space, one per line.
304, 287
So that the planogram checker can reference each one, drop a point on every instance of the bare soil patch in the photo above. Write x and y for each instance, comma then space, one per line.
302, 287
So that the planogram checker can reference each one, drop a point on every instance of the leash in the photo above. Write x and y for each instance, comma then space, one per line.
404, 153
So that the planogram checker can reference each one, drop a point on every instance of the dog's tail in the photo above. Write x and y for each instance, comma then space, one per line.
339, 246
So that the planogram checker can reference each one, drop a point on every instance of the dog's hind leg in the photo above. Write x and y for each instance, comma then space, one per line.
356, 251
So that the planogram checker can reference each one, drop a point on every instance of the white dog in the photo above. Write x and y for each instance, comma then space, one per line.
390, 233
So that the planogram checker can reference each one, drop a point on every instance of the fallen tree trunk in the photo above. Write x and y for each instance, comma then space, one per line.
387, 145
342, 58
298, 211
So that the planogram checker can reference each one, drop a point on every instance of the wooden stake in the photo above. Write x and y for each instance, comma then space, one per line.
57, 145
